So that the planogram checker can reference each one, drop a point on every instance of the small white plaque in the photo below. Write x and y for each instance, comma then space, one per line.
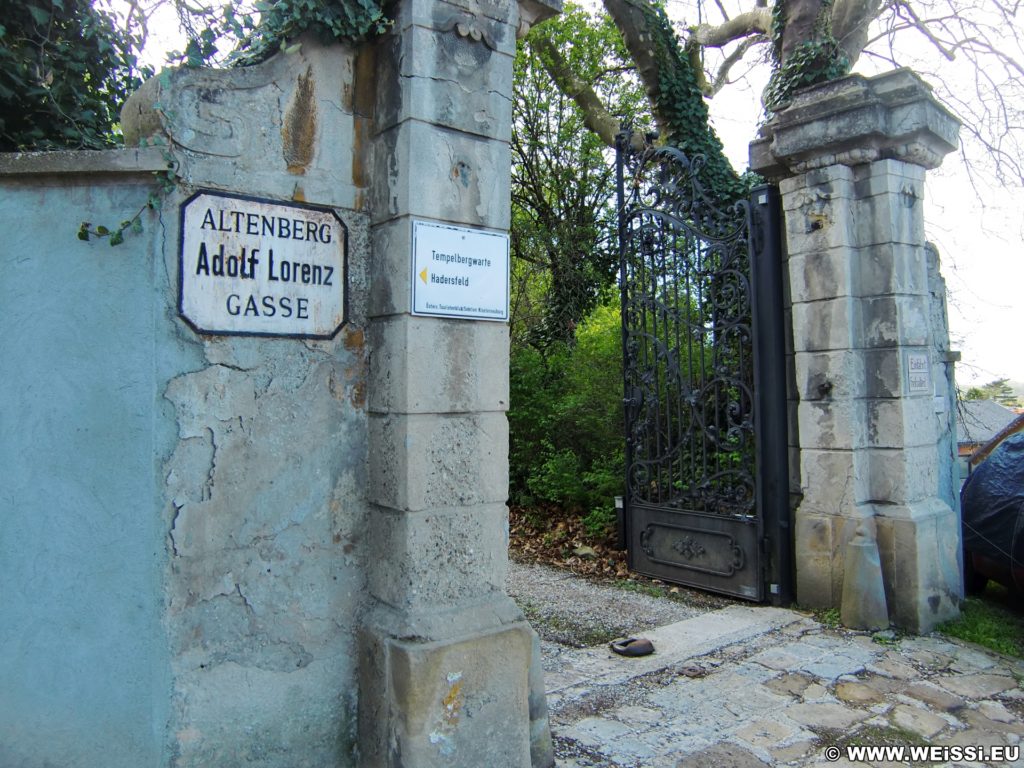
919, 373
459, 272
261, 267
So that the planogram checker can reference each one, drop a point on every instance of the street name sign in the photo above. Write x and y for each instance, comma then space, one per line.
919, 373
459, 272
257, 267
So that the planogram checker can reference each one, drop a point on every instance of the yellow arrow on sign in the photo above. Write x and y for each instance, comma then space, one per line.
423, 275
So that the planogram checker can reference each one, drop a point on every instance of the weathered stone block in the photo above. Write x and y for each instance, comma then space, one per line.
828, 479
816, 564
890, 268
863, 601
919, 544
817, 274
897, 475
907, 422
438, 557
442, 78
391, 266
890, 321
463, 178
833, 181
830, 324
821, 565
285, 127
427, 461
829, 375
883, 372
492, 23
889, 177
433, 365
891, 218
434, 704
832, 424
816, 225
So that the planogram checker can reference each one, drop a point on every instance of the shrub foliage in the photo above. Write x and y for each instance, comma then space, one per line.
565, 420
66, 67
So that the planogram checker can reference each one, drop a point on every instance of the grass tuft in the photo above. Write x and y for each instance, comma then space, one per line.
994, 619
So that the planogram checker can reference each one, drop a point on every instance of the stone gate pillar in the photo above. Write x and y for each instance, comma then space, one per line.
445, 653
870, 393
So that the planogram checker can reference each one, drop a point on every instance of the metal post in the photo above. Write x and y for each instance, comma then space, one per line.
622, 514
771, 419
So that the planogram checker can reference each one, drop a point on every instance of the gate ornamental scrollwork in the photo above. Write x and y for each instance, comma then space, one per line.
687, 339
706, 499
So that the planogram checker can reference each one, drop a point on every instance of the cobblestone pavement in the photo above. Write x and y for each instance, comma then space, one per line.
743, 687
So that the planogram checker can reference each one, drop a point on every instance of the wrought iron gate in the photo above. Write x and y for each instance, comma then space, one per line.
706, 499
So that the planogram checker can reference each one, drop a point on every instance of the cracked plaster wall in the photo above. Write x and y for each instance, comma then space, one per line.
185, 513
265, 484
265, 504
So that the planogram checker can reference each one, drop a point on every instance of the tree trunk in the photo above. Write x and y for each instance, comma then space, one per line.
801, 25
635, 24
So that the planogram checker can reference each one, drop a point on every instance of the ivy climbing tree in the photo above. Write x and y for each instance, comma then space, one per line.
979, 43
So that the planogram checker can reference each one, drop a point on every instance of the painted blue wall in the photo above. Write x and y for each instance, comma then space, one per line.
84, 669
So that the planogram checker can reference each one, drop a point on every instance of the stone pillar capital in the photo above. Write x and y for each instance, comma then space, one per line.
856, 120
535, 11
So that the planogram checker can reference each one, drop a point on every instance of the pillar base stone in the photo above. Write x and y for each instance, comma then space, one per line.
431, 704
918, 544
821, 565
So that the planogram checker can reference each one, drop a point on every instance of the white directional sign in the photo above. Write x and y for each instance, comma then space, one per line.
260, 267
459, 272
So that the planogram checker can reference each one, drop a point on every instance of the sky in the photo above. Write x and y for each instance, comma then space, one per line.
979, 235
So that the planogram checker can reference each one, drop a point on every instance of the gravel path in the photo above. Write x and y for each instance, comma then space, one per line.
570, 611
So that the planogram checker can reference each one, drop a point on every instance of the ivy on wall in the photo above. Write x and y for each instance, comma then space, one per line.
280, 21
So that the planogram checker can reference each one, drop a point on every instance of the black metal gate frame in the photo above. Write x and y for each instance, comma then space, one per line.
752, 536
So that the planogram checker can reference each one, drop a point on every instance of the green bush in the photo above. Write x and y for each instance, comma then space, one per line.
66, 68
565, 418
600, 521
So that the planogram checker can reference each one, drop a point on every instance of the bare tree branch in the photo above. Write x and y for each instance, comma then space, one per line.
757, 21
850, 22
595, 116
923, 29
722, 76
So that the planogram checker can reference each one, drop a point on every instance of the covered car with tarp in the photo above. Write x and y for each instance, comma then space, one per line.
992, 508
